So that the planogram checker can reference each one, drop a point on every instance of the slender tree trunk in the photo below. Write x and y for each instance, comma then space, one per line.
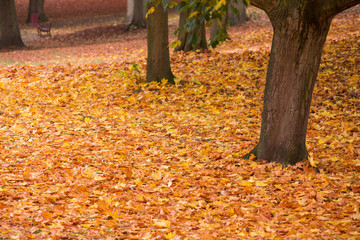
37, 6
139, 20
235, 19
9, 28
191, 40
294, 62
158, 60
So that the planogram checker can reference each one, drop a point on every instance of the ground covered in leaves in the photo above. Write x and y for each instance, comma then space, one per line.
88, 151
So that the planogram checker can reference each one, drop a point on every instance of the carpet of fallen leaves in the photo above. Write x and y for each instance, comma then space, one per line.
88, 151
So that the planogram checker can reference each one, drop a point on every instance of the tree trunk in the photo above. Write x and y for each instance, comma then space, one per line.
158, 60
37, 6
139, 20
9, 28
295, 56
235, 19
129, 11
215, 27
191, 40
218, 32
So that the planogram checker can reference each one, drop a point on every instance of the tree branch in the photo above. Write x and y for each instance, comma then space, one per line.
332, 7
265, 5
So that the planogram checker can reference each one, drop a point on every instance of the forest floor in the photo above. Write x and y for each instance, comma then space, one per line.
90, 151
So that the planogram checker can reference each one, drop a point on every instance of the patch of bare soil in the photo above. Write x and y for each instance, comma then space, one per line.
85, 31
83, 37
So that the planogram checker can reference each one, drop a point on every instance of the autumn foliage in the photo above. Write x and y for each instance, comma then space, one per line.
89, 151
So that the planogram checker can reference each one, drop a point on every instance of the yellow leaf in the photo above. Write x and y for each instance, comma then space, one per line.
18, 129
252, 157
66, 144
26, 114
157, 175
184, 164
291, 232
150, 11
164, 81
115, 215
170, 235
219, 4
355, 216
162, 223
278, 186
193, 14
313, 163
138, 182
87, 119
261, 184
246, 184
176, 43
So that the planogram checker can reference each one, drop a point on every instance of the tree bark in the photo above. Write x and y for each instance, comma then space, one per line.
216, 27
236, 19
191, 40
298, 40
9, 28
129, 11
158, 60
139, 20
292, 71
37, 6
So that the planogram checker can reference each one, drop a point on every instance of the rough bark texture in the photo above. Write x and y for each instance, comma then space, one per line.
191, 40
9, 28
139, 20
299, 36
235, 19
292, 71
37, 6
158, 60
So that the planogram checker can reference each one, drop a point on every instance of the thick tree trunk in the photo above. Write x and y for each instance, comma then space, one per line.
9, 28
235, 19
158, 60
300, 31
139, 20
294, 62
37, 6
191, 40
